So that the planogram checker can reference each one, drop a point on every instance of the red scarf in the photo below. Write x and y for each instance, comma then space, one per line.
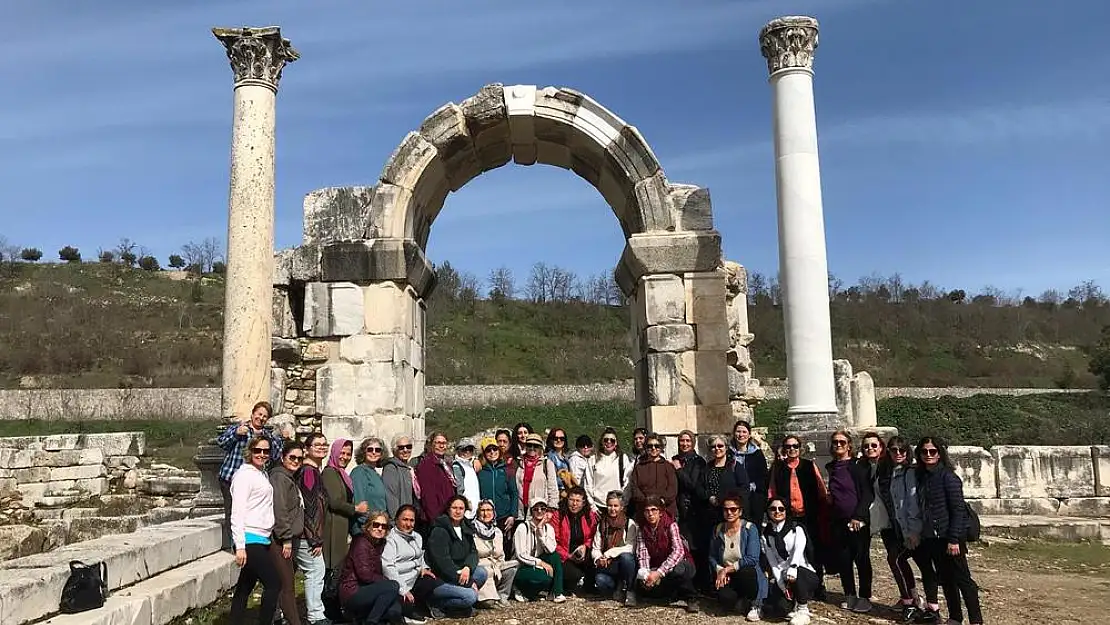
529, 465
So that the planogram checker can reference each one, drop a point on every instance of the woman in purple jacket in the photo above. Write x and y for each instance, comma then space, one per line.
366, 594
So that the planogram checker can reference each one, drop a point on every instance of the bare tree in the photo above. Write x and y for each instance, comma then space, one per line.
469, 287
564, 285
836, 285
202, 255
9, 251
539, 283
125, 251
501, 283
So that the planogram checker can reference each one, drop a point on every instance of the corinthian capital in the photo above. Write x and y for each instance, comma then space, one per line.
789, 42
257, 55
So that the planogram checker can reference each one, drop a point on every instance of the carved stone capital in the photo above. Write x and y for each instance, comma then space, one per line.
789, 43
257, 55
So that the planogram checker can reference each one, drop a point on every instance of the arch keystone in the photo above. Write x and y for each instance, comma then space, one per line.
520, 106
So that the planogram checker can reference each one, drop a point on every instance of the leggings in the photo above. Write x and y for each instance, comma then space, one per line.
259, 568
898, 559
532, 580
287, 599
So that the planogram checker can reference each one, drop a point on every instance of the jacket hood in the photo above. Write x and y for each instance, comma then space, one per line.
748, 449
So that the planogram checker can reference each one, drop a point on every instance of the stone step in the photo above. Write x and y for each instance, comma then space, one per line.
31, 587
1068, 529
162, 598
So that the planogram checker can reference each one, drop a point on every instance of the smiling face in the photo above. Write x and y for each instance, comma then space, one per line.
638, 440
840, 446
685, 443
559, 440
373, 453
345, 454
492, 454
654, 448
259, 417
377, 527
899, 453
731, 509
503, 442
260, 453
608, 443
539, 511
439, 445
872, 448
792, 446
403, 449
486, 513
719, 449
575, 503
318, 450
742, 435
521, 434
930, 455
533, 450
293, 459
652, 514
613, 506
776, 511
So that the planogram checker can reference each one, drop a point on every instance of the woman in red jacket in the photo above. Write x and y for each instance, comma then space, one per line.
366, 594
575, 526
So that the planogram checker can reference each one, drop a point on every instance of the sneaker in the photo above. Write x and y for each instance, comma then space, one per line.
630, 600
754, 615
849, 603
414, 621
436, 613
801, 616
558, 598
691, 606
523, 599
910, 613
862, 606
929, 616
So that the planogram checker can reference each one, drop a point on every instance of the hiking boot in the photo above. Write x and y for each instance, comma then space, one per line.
630, 600
849, 603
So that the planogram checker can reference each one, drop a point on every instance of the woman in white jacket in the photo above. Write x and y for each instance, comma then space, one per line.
794, 577
540, 568
610, 470
490, 543
252, 526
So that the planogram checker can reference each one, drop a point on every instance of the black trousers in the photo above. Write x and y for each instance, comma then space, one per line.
898, 559
742, 586
259, 568
679, 583
801, 590
955, 579
852, 549
375, 603
225, 490
574, 572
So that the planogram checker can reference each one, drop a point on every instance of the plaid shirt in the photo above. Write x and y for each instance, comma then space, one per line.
236, 445
678, 548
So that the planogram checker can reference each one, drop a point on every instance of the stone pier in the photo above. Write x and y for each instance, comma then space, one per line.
788, 43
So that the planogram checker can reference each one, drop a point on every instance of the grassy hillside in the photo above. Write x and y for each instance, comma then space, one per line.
105, 325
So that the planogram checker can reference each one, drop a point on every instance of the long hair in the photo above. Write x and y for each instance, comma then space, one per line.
549, 446
613, 431
886, 462
514, 440
919, 453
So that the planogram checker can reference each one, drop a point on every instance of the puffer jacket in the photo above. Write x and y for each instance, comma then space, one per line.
943, 509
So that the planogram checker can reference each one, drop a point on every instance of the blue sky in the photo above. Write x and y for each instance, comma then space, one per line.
961, 142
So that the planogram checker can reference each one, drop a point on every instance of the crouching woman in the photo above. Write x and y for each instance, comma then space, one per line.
793, 574
666, 570
734, 551
366, 594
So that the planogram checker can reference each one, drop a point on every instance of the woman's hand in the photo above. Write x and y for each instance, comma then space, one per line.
602, 562
953, 549
546, 567
408, 598
677, 464
287, 550
653, 579
428, 573
362, 507
912, 541
464, 576
854, 525
579, 553
509, 523
241, 557
722, 578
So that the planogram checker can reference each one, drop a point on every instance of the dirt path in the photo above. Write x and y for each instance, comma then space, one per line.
1021, 584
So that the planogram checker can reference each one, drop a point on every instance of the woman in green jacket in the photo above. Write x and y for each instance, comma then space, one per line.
366, 479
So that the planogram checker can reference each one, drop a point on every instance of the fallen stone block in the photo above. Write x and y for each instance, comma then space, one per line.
117, 610
17, 541
1085, 507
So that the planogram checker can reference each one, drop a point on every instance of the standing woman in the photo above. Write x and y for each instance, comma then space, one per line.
797, 482
366, 479
252, 524
489, 541
610, 470
944, 534
497, 486
288, 524
535, 476
689, 468
896, 485
521, 430
851, 493
310, 546
504, 440
748, 455
654, 478
401, 487
437, 483
721, 475
556, 451
341, 513
365, 592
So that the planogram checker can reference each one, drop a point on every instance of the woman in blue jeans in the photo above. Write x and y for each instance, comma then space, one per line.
454, 559
611, 550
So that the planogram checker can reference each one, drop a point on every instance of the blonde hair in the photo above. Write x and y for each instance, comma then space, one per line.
254, 441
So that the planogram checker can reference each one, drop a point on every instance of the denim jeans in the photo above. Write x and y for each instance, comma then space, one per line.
619, 575
313, 569
450, 596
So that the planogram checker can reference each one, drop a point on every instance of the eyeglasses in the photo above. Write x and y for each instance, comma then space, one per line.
897, 450
791, 446
404, 447
373, 450
608, 440
930, 451
776, 509
840, 442
872, 446
439, 442
654, 446
376, 525
560, 438
292, 458
718, 446
261, 451
730, 509
651, 510
539, 508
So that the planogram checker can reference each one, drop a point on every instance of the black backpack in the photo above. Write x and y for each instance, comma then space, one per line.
86, 588
974, 527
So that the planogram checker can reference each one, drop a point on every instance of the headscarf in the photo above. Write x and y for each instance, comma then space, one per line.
333, 461
485, 531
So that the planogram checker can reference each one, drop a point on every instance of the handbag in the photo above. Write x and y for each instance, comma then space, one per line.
86, 588
330, 595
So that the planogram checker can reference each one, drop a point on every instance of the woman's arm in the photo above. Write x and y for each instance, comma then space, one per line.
438, 555
750, 534
522, 546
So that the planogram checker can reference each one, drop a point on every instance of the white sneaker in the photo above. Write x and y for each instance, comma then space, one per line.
522, 599
801, 616
559, 598
414, 621
754, 615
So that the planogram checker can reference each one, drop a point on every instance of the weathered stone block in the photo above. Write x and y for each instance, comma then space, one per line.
285, 350
362, 389
333, 309
692, 207
705, 299
666, 419
277, 389
677, 253
864, 409
715, 418
1087, 507
660, 300
1015, 507
739, 358
318, 351
663, 379
1044, 471
369, 348
397, 260
388, 309
976, 467
669, 338
704, 378
1100, 456
712, 337
82, 472
31, 475
336, 214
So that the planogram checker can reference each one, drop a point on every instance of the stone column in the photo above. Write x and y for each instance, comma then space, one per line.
788, 44
257, 57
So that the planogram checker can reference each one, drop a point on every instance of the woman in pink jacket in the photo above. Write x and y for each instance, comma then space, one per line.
252, 526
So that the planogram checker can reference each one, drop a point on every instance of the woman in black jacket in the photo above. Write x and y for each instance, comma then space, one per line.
944, 531
454, 559
750, 456
689, 466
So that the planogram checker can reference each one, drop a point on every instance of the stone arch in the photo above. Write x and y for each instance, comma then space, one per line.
353, 292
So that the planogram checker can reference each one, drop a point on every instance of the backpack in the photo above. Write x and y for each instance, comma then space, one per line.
86, 588
974, 527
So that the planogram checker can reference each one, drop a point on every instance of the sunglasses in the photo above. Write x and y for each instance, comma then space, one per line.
872, 446
560, 438
791, 446
262, 451
897, 450
608, 440
654, 446
930, 451
292, 458
718, 446
373, 450
776, 509
404, 447
539, 508
377, 525
730, 509
840, 442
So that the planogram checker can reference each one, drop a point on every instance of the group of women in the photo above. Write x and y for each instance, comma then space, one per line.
518, 516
